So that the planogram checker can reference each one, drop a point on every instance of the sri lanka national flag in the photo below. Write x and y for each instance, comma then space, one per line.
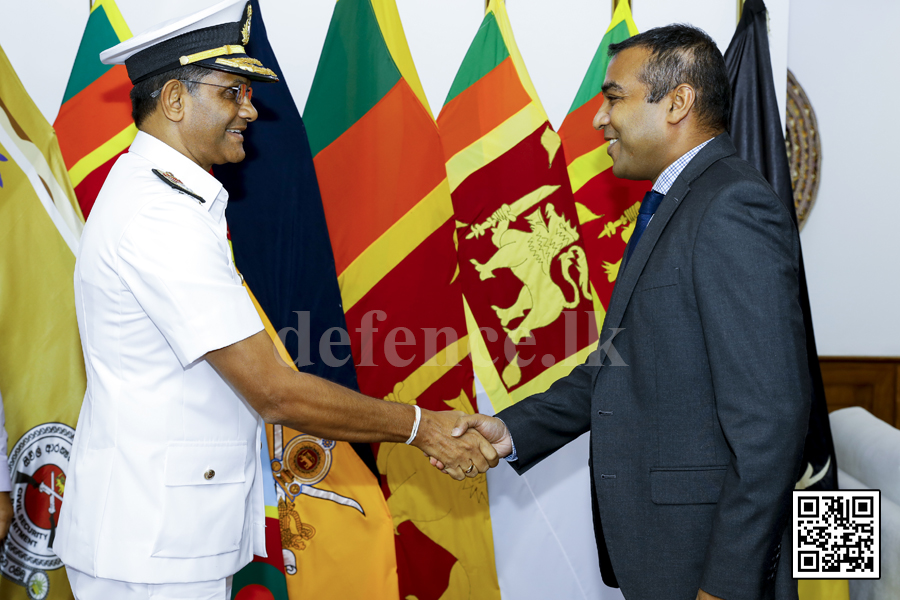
521, 254
325, 513
94, 123
607, 206
42, 378
380, 165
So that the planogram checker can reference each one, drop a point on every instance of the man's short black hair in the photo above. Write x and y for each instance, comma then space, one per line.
143, 104
684, 54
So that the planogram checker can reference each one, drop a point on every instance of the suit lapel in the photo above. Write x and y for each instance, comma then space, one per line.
629, 277
717, 149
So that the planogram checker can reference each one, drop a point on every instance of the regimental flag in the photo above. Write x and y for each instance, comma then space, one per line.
757, 134
755, 127
266, 578
94, 123
522, 262
607, 206
380, 165
311, 486
324, 507
42, 378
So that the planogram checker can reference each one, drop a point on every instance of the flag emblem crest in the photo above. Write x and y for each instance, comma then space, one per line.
287, 515
529, 256
37, 464
307, 461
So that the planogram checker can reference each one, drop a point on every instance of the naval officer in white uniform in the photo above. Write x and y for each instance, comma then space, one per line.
164, 497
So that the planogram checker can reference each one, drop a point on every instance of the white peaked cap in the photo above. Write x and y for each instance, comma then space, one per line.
227, 11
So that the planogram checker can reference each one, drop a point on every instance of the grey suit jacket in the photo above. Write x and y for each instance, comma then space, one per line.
695, 444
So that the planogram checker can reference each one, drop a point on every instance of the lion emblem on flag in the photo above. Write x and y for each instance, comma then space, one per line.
529, 255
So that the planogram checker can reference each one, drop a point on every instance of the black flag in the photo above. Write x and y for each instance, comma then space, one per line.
278, 228
755, 127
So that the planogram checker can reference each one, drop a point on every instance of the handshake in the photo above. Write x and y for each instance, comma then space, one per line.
462, 445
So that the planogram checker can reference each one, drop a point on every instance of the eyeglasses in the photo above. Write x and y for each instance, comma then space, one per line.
237, 92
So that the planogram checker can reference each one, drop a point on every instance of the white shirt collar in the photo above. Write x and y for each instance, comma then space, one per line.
168, 159
667, 178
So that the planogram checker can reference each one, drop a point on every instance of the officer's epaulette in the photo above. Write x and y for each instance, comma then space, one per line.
177, 184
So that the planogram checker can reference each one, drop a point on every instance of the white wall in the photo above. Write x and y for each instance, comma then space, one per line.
557, 39
844, 58
849, 249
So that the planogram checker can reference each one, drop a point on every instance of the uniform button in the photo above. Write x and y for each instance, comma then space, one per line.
209, 474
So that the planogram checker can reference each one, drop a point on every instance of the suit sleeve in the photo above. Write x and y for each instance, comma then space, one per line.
543, 423
745, 265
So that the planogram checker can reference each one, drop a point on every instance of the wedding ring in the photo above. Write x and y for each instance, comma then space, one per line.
469, 470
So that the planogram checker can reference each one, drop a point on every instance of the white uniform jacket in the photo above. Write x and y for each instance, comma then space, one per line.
164, 483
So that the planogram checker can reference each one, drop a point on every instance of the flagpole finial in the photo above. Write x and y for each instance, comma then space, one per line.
615, 5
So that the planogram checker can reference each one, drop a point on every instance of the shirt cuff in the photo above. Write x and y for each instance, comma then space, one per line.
513, 456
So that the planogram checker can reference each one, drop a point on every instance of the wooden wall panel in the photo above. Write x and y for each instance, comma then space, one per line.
862, 381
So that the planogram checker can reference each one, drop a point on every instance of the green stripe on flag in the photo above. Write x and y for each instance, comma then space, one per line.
486, 52
98, 36
593, 81
355, 54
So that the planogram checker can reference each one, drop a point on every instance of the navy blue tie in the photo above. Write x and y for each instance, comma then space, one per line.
648, 207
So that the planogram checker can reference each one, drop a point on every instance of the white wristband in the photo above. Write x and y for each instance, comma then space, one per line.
415, 429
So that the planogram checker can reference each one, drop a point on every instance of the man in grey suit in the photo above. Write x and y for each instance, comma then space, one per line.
697, 397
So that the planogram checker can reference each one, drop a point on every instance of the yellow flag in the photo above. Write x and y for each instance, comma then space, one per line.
330, 512
42, 379
823, 589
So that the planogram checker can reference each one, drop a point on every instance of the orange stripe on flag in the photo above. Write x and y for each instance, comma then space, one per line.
94, 115
579, 136
482, 107
376, 171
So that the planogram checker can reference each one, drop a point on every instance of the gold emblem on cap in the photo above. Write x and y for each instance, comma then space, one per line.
245, 30
246, 64
220, 51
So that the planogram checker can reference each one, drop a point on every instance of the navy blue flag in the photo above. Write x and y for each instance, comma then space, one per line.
278, 229
755, 127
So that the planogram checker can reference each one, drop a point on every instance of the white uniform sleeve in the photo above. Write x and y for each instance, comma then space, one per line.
5, 483
176, 261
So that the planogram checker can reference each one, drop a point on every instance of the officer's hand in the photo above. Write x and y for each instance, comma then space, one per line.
491, 428
463, 455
